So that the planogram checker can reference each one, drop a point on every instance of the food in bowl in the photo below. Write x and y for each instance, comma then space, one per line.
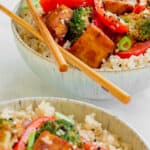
41, 127
113, 35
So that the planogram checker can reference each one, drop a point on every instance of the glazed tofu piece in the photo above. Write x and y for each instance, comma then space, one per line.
56, 21
93, 46
118, 6
47, 141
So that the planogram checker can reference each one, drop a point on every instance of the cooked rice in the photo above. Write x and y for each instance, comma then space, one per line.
112, 63
90, 129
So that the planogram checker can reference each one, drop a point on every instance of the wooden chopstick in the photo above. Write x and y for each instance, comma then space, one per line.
109, 86
48, 37
106, 84
20, 21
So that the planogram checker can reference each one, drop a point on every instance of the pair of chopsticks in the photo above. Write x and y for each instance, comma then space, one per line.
109, 86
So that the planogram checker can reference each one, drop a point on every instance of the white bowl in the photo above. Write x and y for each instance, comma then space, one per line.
77, 83
68, 106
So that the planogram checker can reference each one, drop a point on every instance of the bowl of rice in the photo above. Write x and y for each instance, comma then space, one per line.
93, 129
125, 73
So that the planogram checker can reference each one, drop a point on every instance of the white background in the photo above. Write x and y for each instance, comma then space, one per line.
17, 80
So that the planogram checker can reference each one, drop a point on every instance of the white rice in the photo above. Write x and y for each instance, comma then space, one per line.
113, 63
90, 128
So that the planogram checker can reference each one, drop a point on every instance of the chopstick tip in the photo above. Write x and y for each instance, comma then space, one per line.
127, 99
63, 68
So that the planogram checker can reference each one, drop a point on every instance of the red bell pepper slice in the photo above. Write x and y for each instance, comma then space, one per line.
95, 20
110, 20
49, 5
136, 50
21, 145
140, 6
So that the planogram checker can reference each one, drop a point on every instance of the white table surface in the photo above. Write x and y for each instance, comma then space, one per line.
17, 80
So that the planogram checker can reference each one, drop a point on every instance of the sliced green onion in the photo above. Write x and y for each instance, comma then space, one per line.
62, 116
31, 141
35, 2
124, 44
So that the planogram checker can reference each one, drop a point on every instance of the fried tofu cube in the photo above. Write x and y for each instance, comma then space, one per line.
93, 46
48, 141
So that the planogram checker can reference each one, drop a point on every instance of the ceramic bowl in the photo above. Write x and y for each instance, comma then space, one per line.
76, 83
74, 107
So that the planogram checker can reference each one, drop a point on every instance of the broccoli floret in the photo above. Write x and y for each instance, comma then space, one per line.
143, 28
78, 23
139, 26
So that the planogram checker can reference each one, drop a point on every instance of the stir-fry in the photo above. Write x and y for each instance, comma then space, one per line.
42, 128
105, 34
92, 30
43, 133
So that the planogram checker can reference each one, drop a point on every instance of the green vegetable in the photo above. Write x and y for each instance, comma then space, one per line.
78, 23
62, 116
139, 26
31, 141
62, 128
35, 2
2, 120
124, 44
143, 28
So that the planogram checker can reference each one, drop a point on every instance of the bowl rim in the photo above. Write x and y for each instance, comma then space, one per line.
75, 101
17, 36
